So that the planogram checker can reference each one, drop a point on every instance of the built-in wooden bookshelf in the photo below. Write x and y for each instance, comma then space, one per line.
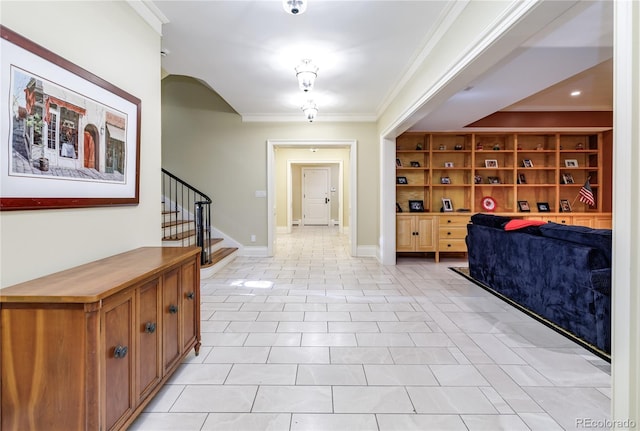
503, 173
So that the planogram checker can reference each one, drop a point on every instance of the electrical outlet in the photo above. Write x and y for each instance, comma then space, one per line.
253, 238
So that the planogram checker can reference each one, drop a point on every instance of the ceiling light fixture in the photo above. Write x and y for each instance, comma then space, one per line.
576, 93
310, 110
294, 7
307, 73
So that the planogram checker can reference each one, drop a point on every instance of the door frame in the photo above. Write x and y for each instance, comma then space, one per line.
272, 145
318, 164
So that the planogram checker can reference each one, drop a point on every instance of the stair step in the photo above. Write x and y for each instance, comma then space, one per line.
180, 235
169, 212
220, 254
176, 223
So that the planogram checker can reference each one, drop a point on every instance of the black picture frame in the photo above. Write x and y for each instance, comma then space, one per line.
445, 180
402, 180
527, 163
416, 206
415, 164
567, 178
477, 179
398, 162
523, 206
565, 206
543, 207
493, 180
522, 179
398, 208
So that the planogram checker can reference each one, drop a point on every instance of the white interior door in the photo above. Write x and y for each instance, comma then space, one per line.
315, 196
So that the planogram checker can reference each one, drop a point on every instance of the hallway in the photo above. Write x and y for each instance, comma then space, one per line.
313, 339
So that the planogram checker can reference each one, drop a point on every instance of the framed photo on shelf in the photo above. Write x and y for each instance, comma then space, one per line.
419, 146
448, 164
493, 180
543, 207
522, 179
477, 179
567, 179
571, 163
401, 180
416, 206
491, 163
445, 180
523, 206
527, 163
415, 164
565, 206
447, 206
398, 162
398, 208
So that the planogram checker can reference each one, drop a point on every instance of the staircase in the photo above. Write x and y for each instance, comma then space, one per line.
186, 221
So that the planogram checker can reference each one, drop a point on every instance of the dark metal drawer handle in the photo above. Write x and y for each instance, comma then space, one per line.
173, 309
150, 327
191, 295
120, 352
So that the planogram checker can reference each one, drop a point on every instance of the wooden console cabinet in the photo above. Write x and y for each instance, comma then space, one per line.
89, 347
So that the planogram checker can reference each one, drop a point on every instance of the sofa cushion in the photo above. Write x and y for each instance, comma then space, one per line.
489, 220
597, 238
531, 227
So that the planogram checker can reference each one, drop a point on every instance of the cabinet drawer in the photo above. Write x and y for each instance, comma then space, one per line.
452, 245
454, 220
452, 232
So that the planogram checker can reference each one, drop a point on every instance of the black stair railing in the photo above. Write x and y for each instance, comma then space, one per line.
184, 206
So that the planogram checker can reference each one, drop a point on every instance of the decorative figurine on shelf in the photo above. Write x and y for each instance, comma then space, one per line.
458, 147
442, 148
539, 147
478, 146
477, 179
419, 146
579, 146
496, 147
519, 147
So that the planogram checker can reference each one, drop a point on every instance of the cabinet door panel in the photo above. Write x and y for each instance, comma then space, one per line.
118, 335
404, 233
189, 304
170, 317
148, 330
426, 238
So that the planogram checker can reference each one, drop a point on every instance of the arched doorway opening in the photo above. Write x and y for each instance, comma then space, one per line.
91, 143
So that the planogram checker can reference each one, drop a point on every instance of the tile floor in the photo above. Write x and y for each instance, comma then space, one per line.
313, 339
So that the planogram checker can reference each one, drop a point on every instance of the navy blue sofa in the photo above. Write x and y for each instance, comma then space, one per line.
559, 272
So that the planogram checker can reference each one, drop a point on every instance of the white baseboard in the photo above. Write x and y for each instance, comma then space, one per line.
367, 251
254, 251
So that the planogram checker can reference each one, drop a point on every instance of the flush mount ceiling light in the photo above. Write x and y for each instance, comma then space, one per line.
306, 73
576, 93
294, 7
310, 110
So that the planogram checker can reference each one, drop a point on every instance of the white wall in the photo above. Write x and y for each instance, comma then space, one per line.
625, 311
110, 40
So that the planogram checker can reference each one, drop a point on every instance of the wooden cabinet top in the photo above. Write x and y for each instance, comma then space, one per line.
99, 279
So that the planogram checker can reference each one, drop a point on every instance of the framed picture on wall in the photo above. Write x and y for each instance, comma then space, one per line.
401, 180
73, 139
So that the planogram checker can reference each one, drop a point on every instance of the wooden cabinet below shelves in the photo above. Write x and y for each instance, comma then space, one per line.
415, 232
88, 348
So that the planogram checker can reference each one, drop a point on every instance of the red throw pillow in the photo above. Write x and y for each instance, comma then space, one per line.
519, 224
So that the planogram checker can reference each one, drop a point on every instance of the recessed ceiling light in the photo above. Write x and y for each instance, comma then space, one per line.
576, 93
